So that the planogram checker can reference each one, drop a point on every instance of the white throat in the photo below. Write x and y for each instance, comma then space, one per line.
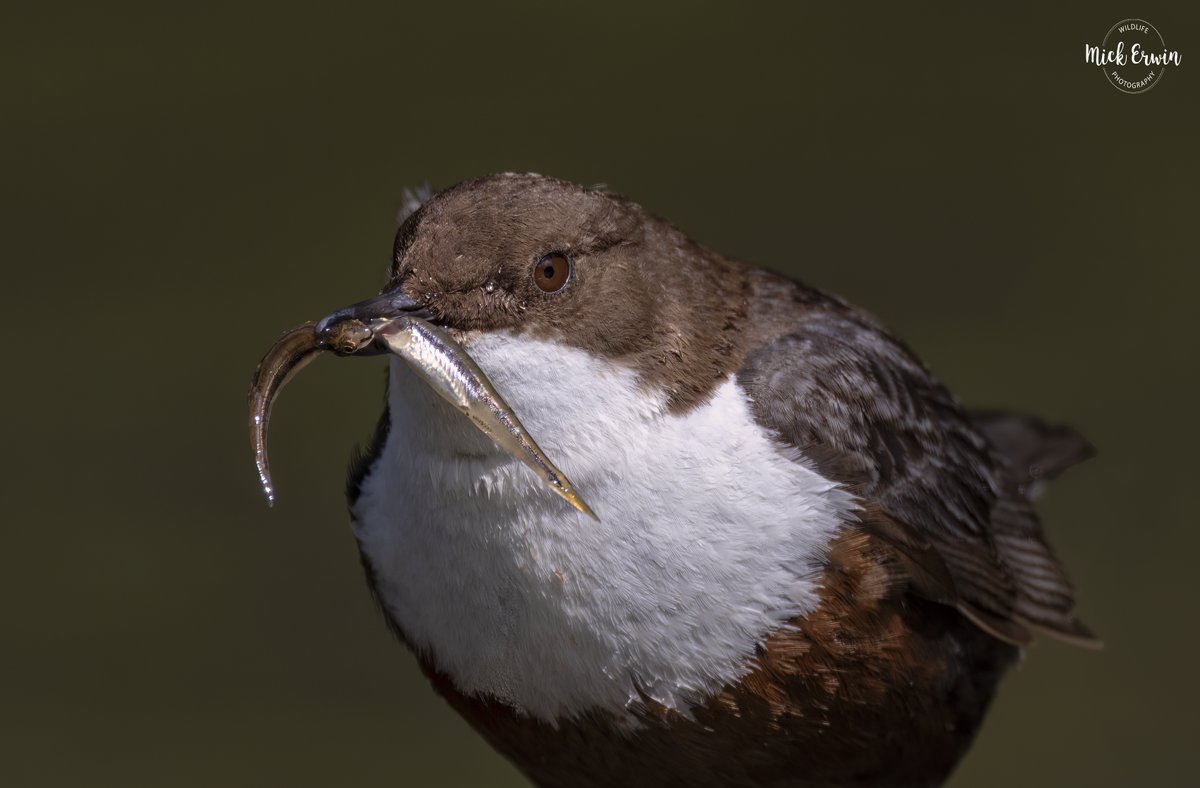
710, 536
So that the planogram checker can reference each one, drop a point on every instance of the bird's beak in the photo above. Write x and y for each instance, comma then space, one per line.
394, 323
343, 331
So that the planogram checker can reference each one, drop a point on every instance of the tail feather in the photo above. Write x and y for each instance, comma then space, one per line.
1034, 450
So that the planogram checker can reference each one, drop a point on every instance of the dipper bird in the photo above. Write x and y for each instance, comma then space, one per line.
801, 561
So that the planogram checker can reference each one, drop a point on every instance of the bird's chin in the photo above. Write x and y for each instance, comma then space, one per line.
469, 456
466, 336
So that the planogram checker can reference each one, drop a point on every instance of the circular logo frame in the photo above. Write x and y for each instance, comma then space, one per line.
1126, 74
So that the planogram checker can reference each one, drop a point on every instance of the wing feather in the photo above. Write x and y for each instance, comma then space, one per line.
857, 403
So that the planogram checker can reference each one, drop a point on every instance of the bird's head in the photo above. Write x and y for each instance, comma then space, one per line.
529, 254
535, 256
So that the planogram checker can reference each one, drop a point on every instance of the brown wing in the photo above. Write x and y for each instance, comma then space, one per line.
857, 402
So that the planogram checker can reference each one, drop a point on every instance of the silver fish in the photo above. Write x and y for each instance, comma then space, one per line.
446, 366
434, 356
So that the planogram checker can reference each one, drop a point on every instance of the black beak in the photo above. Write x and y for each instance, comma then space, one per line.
332, 329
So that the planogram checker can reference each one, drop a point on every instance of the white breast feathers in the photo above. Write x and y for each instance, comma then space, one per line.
711, 535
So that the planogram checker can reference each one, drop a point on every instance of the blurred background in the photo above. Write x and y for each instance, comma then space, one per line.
183, 182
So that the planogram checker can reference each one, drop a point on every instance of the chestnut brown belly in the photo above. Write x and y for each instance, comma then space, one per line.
876, 687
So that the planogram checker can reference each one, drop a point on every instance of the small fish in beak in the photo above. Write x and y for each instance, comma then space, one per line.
442, 363
431, 353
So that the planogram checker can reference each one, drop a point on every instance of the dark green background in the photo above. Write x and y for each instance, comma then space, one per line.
180, 185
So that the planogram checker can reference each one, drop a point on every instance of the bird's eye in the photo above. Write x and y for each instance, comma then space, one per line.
552, 272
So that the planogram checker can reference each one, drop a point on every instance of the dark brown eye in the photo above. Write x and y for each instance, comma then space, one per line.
552, 272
